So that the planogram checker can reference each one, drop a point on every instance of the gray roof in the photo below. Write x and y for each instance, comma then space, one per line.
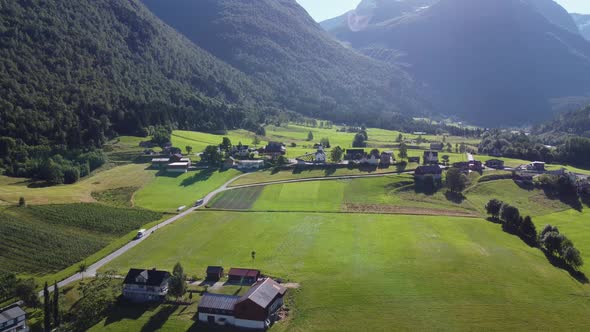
218, 301
11, 313
263, 293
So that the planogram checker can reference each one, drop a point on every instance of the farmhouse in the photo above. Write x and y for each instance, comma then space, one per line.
430, 157
538, 166
257, 309
495, 163
422, 171
249, 164
145, 285
354, 154
320, 155
179, 167
387, 158
373, 158
160, 162
240, 151
275, 149
229, 163
243, 276
13, 318
437, 146
214, 273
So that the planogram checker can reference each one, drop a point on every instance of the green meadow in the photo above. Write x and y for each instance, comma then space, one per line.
404, 272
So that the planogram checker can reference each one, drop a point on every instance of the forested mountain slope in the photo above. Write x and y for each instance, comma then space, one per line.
493, 62
72, 72
569, 123
277, 44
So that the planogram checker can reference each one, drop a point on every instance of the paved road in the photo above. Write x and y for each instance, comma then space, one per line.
92, 269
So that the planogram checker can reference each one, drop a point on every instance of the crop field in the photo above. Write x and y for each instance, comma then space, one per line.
241, 199
167, 191
409, 272
132, 175
47, 238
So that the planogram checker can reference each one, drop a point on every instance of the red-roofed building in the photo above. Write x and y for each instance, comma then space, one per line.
243, 276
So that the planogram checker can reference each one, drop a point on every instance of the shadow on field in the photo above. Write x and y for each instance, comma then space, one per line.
572, 200
158, 320
202, 176
127, 310
560, 263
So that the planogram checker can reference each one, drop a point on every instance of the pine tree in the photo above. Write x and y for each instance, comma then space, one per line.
56, 320
46, 309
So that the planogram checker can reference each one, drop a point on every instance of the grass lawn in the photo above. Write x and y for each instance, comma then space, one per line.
133, 175
169, 191
411, 272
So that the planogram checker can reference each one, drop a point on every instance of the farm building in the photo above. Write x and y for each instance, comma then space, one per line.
145, 285
354, 154
437, 146
229, 163
414, 159
538, 166
160, 162
250, 164
240, 151
434, 170
320, 155
495, 163
243, 276
257, 309
214, 273
430, 157
387, 158
275, 149
13, 318
179, 167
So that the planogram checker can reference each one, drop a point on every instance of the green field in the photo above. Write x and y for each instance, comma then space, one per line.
407, 272
169, 191
45, 239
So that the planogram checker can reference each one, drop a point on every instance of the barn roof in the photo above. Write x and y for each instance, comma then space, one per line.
243, 272
264, 292
214, 269
218, 301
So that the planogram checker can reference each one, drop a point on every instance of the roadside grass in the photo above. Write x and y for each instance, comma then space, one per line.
119, 197
405, 271
169, 191
39, 240
132, 175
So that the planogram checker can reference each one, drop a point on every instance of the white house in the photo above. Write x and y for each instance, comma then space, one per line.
13, 319
320, 155
250, 164
179, 167
145, 285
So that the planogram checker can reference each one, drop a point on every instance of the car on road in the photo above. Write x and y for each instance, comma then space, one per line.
140, 234
199, 202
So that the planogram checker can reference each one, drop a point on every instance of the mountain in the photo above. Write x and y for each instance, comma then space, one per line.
555, 14
492, 62
583, 23
75, 72
277, 44
569, 123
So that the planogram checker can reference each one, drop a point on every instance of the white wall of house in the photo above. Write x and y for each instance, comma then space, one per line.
250, 324
219, 319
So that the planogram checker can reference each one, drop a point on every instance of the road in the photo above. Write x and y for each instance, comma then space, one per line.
92, 269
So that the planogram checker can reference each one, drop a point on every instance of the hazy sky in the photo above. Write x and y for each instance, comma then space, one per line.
324, 9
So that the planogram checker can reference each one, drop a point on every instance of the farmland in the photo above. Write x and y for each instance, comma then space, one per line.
45, 239
462, 273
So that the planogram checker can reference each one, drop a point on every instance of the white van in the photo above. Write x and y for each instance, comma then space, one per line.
140, 234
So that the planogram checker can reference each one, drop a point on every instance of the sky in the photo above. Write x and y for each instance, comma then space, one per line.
324, 9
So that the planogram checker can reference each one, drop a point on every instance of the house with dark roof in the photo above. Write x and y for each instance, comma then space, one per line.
414, 159
430, 157
214, 273
354, 154
13, 318
275, 149
438, 146
387, 158
433, 170
495, 163
145, 285
257, 309
243, 276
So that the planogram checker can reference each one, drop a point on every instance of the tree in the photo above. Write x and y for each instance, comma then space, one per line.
46, 309
98, 297
22, 202
310, 136
253, 254
403, 151
56, 316
456, 180
161, 135
494, 207
256, 141
399, 138
82, 268
359, 141
449, 148
325, 142
552, 241
572, 256
528, 231
189, 149
226, 144
177, 283
26, 290
510, 214
446, 159
336, 154
211, 155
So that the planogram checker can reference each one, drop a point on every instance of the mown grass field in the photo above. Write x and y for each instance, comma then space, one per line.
169, 191
372, 272
45, 239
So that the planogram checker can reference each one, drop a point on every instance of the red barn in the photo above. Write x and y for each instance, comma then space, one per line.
243, 276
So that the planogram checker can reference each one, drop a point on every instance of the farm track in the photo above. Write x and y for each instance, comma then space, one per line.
92, 269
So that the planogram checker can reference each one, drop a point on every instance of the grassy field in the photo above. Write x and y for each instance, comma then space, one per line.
132, 175
44, 239
411, 272
167, 192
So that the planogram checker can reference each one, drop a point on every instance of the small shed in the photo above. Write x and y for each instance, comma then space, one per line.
243, 276
214, 273
438, 146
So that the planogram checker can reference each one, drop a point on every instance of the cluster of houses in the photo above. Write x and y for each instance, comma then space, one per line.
257, 309
373, 158
13, 319
175, 163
